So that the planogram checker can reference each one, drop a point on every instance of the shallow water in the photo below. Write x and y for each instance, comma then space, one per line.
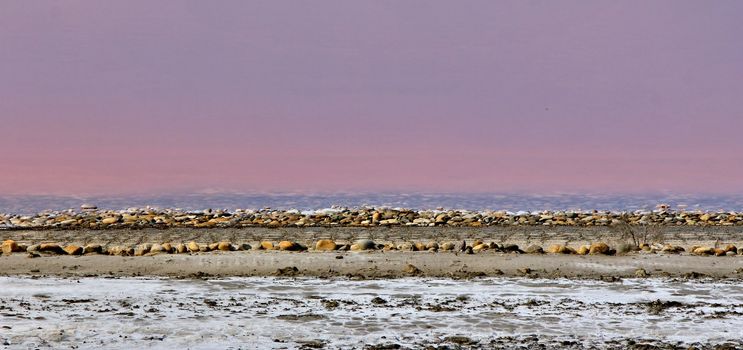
289, 313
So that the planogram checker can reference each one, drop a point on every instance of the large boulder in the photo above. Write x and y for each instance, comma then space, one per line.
9, 247
73, 249
364, 244
157, 248
167, 247
193, 247
181, 248
534, 249
142, 249
51, 248
325, 245
480, 247
288, 245
224, 246
599, 248
448, 246
558, 249
92, 249
703, 250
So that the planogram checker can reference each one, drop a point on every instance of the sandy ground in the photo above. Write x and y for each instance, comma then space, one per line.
521, 235
376, 264
379, 264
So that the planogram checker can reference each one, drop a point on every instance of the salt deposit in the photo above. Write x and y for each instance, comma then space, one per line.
339, 313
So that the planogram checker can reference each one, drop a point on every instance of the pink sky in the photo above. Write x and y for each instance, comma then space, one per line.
436, 96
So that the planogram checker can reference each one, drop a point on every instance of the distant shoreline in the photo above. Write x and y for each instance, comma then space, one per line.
92, 218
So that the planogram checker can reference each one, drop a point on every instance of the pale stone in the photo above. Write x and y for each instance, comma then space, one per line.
325, 245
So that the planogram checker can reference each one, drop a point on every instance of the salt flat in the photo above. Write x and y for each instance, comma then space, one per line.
289, 313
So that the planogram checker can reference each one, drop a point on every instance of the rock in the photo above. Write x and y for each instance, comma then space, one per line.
167, 247
92, 249
110, 220
419, 247
512, 248
703, 251
157, 248
51, 248
599, 248
480, 247
558, 249
33, 248
142, 249
389, 246
641, 273
432, 245
378, 301
113, 250
389, 222
364, 244
669, 249
245, 246
204, 248
375, 217
441, 218
288, 245
193, 247
730, 248
406, 246
448, 246
265, 245
33, 254
121, 251
73, 249
9, 247
534, 249
88, 206
412, 270
325, 245
212, 246
224, 246
181, 248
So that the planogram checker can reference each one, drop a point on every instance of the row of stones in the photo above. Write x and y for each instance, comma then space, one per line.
100, 219
148, 249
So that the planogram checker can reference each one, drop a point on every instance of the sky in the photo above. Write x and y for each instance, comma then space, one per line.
142, 96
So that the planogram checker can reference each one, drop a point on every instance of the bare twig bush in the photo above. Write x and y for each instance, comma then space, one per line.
644, 234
